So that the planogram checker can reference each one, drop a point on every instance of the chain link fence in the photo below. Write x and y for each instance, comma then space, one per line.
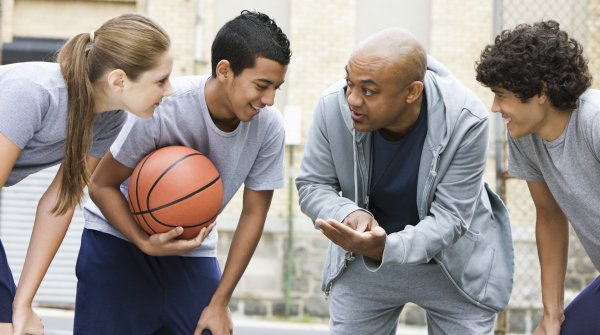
580, 19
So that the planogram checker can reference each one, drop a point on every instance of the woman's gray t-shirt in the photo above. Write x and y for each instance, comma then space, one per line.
33, 115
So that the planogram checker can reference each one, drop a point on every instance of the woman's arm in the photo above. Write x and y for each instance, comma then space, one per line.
47, 235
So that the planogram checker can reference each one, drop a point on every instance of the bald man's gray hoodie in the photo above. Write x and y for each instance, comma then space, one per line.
463, 224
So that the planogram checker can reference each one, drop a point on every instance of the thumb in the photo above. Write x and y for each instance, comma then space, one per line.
377, 230
171, 234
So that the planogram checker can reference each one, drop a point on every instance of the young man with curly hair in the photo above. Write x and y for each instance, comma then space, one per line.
541, 83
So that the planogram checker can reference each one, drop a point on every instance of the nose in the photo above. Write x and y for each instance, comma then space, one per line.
495, 105
168, 89
353, 98
268, 99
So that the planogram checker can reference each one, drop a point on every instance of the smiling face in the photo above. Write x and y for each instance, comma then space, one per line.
253, 89
521, 118
143, 95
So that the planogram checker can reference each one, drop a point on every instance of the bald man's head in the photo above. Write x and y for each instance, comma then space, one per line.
397, 50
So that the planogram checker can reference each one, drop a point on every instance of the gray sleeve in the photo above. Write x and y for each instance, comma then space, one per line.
320, 176
595, 135
520, 163
106, 129
22, 107
138, 138
267, 170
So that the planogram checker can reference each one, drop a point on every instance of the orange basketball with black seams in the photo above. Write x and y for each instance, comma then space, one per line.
175, 186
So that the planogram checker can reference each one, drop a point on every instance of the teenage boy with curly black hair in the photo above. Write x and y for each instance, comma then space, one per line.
541, 83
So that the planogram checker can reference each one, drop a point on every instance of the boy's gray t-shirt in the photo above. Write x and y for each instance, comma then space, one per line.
252, 154
33, 115
570, 166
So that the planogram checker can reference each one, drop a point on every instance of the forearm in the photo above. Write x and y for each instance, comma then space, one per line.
46, 237
113, 205
552, 238
243, 245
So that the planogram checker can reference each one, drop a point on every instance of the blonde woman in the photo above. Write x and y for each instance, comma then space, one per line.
69, 113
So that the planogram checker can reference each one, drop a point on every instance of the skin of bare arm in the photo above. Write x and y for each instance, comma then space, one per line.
47, 235
216, 316
552, 238
106, 194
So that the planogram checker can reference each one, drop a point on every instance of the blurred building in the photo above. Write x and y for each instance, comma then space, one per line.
322, 33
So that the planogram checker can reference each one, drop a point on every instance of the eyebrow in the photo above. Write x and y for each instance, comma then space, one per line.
165, 77
269, 82
363, 81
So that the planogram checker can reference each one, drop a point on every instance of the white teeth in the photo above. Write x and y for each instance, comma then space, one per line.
506, 120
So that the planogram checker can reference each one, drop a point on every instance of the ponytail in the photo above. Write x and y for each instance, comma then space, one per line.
130, 42
80, 117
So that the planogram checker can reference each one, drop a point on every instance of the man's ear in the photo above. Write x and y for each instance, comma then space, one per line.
415, 89
223, 70
543, 96
116, 80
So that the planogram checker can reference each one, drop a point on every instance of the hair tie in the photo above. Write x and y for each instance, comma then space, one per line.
92, 36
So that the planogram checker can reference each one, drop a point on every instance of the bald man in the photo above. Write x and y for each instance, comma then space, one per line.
392, 176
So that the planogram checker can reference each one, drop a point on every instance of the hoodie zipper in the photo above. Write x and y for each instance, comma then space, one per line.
429, 183
347, 259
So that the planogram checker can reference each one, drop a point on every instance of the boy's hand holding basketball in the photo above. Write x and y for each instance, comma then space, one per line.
168, 244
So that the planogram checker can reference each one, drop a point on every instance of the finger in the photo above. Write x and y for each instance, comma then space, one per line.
378, 231
362, 226
340, 228
170, 235
204, 233
319, 222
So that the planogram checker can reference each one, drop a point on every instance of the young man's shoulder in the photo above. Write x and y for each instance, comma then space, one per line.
183, 85
589, 103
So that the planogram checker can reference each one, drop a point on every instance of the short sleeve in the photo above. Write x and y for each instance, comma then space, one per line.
106, 128
521, 162
23, 105
137, 138
267, 172
595, 135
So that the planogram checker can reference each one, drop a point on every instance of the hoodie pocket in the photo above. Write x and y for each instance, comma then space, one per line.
469, 263
335, 264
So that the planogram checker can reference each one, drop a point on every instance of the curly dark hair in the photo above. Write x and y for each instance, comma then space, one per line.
531, 58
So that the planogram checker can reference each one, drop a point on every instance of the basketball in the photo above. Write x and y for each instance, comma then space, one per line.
175, 186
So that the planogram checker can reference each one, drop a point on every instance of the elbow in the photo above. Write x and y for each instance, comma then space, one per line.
93, 192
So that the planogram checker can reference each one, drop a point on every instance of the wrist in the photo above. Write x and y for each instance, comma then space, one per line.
143, 243
219, 300
22, 302
553, 313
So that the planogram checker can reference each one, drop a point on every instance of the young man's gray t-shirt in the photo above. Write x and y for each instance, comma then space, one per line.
570, 166
252, 154
33, 115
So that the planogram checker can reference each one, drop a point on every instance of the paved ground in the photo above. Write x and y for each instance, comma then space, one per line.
59, 322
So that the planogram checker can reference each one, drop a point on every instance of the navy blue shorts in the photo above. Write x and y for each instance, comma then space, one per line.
7, 288
582, 316
121, 290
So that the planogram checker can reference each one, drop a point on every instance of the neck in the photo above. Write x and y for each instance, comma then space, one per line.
218, 106
554, 125
408, 118
103, 102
